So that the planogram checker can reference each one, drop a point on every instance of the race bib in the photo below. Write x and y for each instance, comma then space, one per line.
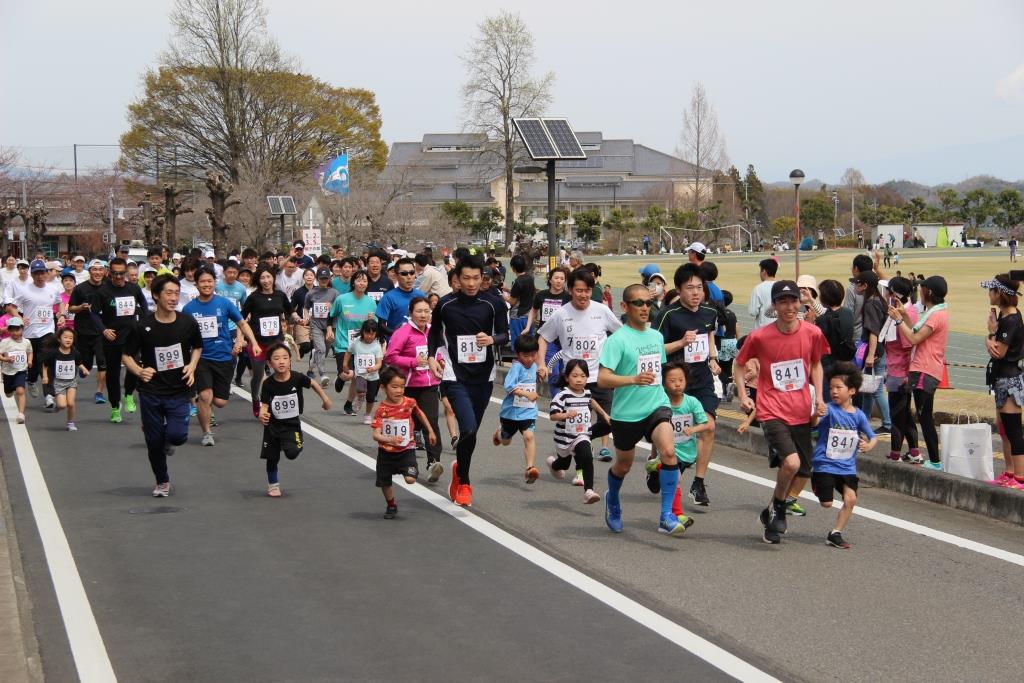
548, 308
364, 361
18, 358
69, 317
285, 407
580, 422
270, 326
42, 314
697, 350
469, 350
352, 336
321, 309
376, 296
521, 401
398, 428
585, 346
64, 369
421, 358
169, 357
888, 331
207, 326
124, 305
788, 375
679, 422
842, 444
650, 362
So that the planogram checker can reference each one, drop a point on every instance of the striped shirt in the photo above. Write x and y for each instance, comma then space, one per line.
568, 432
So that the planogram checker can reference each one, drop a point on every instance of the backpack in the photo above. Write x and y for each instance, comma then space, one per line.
843, 349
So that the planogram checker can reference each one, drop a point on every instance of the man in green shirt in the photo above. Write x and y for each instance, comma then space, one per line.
630, 364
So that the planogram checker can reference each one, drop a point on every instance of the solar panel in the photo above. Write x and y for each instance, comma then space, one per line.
288, 204
536, 139
275, 206
564, 138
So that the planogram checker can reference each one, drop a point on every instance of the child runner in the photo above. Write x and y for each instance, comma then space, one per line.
519, 407
280, 406
842, 431
570, 410
688, 418
393, 429
16, 357
61, 367
366, 356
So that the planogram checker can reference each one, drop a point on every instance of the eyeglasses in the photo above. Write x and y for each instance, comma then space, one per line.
22, 265
640, 303
118, 273
407, 273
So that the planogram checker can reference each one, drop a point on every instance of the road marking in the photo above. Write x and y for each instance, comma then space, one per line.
662, 626
935, 534
87, 648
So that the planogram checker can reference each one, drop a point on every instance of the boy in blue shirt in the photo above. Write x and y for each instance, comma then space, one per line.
842, 432
519, 407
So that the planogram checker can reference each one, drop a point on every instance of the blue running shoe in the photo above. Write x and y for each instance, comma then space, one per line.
937, 466
675, 526
98, 398
612, 515
192, 411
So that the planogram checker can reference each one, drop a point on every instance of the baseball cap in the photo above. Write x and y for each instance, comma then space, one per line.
55, 265
79, 258
15, 322
658, 275
698, 247
936, 284
123, 249
96, 263
299, 244
867, 277
209, 253
323, 273
38, 266
22, 262
783, 288
900, 286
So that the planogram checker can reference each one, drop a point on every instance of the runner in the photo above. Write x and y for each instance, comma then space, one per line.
116, 306
89, 342
187, 281
348, 313
581, 330
16, 357
688, 326
379, 280
571, 409
214, 313
789, 353
316, 316
545, 303
289, 278
61, 369
470, 327
631, 362
169, 344
519, 407
393, 308
37, 302
266, 309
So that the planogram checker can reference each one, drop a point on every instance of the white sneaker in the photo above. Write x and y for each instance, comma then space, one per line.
49, 402
557, 474
590, 496
33, 389
359, 405
436, 469
162, 490
367, 419
21, 418
72, 427
578, 479
325, 381
208, 439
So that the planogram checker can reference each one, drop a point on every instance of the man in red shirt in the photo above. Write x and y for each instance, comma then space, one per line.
789, 351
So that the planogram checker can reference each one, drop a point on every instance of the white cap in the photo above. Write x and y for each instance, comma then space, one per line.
698, 247
96, 263
175, 256
209, 254
79, 258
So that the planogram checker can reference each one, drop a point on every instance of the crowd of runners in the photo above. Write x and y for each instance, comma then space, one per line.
416, 339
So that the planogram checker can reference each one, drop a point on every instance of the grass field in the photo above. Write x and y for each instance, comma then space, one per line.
738, 273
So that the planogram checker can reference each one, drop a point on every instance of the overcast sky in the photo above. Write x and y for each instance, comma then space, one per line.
930, 91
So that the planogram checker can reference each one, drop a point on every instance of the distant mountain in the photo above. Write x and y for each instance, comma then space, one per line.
909, 189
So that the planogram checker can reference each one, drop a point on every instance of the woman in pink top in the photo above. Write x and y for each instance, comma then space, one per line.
927, 365
896, 383
407, 350
69, 282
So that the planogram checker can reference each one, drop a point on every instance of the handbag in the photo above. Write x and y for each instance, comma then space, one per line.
967, 448
869, 385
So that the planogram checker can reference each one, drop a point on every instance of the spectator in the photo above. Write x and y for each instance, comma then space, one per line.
760, 307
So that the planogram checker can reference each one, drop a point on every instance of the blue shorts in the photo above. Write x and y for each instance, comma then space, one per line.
12, 382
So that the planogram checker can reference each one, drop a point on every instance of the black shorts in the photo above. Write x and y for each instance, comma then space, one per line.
707, 398
12, 382
784, 439
278, 438
216, 375
824, 483
369, 387
509, 428
390, 464
90, 348
442, 388
626, 435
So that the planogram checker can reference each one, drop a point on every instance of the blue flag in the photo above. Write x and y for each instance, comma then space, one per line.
335, 176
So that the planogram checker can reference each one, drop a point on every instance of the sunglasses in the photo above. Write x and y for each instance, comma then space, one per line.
118, 273
640, 303
407, 272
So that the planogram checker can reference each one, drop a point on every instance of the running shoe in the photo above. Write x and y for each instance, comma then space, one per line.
325, 381
208, 440
168, 450
213, 420
836, 540
115, 415
937, 466
883, 430
238, 382
420, 446
453, 487
339, 384
699, 494
464, 496
604, 455
310, 374
255, 407
911, 459
590, 496
455, 441
348, 407
49, 402
391, 512
162, 490
653, 474
578, 479
274, 490
769, 536
434, 469
192, 411
777, 518
674, 526
367, 419
33, 389
98, 399
129, 403
20, 419
1013, 483
1001, 479
72, 427
532, 473
794, 508
894, 455
557, 474
612, 514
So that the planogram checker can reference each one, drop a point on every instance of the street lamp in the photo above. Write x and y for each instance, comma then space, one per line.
796, 177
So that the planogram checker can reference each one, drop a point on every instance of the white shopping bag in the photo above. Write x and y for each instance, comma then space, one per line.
870, 382
967, 448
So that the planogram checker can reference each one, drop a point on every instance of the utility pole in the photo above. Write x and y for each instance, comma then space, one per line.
112, 238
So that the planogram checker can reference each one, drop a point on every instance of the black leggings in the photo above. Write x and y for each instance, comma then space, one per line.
112, 352
240, 366
925, 403
40, 346
584, 461
427, 400
903, 426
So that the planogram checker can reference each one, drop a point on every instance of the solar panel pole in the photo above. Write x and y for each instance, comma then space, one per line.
552, 240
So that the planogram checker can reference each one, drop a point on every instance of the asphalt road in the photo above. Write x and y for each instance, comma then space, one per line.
219, 582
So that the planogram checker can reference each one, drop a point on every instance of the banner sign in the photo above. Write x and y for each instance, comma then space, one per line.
335, 176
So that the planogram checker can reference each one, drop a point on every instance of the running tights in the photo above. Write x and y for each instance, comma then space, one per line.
1014, 432
584, 455
428, 400
113, 353
925, 404
469, 401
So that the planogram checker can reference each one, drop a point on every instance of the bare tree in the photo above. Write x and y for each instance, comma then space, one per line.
499, 87
702, 145
219, 188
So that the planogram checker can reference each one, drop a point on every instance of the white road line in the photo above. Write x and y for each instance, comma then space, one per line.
684, 638
935, 534
87, 648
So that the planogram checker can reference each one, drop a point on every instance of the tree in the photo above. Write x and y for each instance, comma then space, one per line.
915, 210
783, 226
949, 200
620, 221
977, 207
458, 215
487, 221
701, 143
754, 197
499, 87
219, 188
587, 225
816, 212
1009, 210
224, 97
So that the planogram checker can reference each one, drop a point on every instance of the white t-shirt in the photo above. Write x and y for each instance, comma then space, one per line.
80, 277
760, 307
12, 288
36, 304
188, 291
287, 284
581, 334
19, 352
8, 275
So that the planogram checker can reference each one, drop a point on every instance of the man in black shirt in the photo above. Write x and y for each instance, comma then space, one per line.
116, 306
89, 341
523, 289
170, 345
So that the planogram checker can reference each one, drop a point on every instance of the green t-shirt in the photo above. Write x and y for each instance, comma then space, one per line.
691, 413
349, 313
623, 352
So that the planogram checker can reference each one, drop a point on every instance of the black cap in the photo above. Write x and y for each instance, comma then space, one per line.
783, 288
867, 277
936, 284
900, 286
322, 274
